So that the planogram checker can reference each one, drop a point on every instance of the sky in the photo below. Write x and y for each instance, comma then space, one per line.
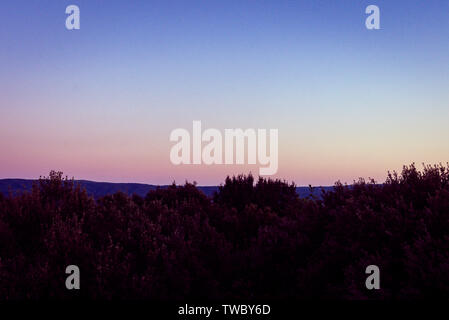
99, 103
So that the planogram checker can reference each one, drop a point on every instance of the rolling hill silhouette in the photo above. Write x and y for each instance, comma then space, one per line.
100, 189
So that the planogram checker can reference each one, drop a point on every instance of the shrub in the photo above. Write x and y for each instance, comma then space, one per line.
251, 240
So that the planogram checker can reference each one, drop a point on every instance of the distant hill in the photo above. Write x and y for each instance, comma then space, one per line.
99, 189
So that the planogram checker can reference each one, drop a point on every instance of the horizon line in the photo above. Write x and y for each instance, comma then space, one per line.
166, 185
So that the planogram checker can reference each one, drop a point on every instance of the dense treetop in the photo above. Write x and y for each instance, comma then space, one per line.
251, 240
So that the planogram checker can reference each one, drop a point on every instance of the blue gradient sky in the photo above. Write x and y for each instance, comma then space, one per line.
99, 103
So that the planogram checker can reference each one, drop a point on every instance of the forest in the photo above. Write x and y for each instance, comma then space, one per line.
253, 239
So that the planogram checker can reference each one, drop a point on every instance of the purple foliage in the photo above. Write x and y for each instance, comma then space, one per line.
250, 241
